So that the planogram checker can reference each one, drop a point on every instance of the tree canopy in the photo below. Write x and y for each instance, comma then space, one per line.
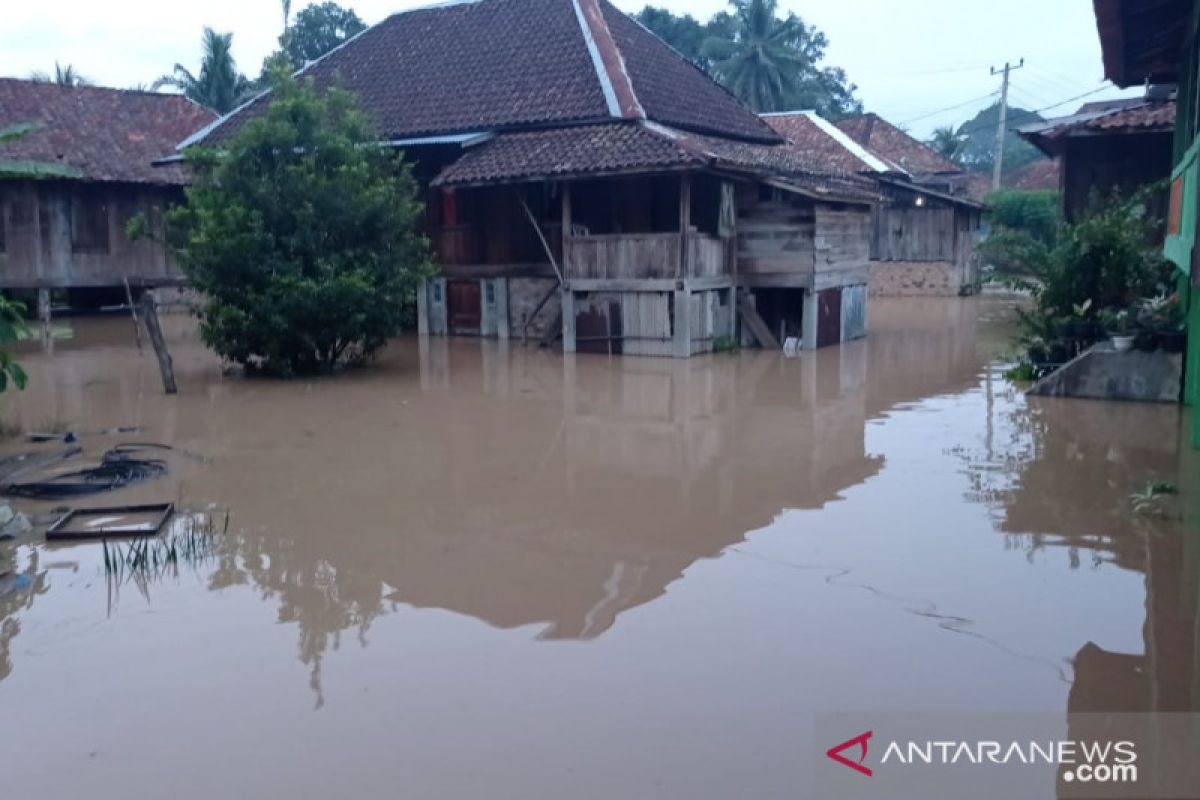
301, 235
317, 30
62, 75
219, 86
977, 140
771, 62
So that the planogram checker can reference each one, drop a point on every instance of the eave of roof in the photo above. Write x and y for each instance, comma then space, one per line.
1142, 39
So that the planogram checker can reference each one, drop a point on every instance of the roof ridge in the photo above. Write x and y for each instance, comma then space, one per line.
608, 61
861, 152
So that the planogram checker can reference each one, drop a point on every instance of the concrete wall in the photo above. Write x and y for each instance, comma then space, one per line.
918, 279
40, 250
1104, 374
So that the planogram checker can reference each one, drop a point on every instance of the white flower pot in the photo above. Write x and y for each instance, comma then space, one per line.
1122, 344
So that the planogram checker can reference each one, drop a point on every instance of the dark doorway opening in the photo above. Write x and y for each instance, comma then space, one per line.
782, 310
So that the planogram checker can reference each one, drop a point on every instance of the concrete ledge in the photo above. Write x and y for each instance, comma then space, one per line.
1102, 373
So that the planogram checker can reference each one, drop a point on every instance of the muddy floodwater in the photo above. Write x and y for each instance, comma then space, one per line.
488, 571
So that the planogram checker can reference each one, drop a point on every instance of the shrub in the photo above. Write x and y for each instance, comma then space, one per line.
302, 236
1032, 212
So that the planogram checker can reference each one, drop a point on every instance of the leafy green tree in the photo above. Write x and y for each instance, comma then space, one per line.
978, 140
302, 235
768, 61
946, 142
317, 30
63, 76
219, 86
12, 329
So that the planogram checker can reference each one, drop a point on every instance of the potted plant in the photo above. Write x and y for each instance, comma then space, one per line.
1164, 315
1118, 322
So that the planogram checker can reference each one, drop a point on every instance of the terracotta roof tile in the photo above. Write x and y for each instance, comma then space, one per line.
674, 92
812, 139
885, 139
496, 65
629, 146
611, 147
105, 134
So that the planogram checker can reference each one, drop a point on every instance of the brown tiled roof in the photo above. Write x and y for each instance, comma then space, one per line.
103, 134
1113, 119
499, 65
606, 148
1041, 174
808, 136
882, 137
639, 146
1150, 117
673, 91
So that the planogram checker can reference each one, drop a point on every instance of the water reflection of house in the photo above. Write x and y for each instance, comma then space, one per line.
72, 181
925, 225
582, 179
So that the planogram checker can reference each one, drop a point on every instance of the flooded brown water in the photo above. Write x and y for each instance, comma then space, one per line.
486, 571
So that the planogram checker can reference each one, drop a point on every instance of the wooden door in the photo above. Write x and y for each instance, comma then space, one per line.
829, 317
464, 308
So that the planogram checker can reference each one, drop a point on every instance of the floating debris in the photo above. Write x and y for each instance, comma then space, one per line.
118, 467
101, 523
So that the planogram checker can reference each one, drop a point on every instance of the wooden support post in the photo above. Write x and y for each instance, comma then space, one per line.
682, 333
154, 331
810, 321
568, 321
44, 313
137, 328
684, 269
566, 234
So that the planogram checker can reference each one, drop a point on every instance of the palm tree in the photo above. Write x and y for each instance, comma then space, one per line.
764, 61
946, 142
63, 76
219, 86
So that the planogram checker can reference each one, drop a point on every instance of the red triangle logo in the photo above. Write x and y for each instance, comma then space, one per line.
860, 742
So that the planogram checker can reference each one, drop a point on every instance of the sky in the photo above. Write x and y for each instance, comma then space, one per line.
918, 63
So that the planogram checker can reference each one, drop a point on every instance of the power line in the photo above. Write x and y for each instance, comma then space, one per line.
951, 108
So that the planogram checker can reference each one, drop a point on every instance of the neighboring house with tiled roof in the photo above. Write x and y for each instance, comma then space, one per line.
923, 237
1117, 145
573, 160
1045, 174
915, 157
79, 170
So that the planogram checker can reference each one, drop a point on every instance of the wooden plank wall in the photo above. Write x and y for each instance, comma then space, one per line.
646, 322
636, 255
39, 252
908, 233
776, 235
708, 256
843, 238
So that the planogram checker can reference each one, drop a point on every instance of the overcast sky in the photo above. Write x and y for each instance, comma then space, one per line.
909, 58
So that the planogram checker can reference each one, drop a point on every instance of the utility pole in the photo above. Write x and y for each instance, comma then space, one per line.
1001, 133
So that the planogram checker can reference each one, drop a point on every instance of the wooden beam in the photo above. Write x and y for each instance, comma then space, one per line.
755, 323
154, 330
566, 229
685, 222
